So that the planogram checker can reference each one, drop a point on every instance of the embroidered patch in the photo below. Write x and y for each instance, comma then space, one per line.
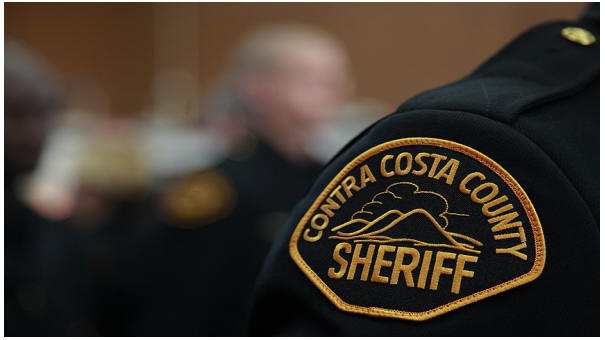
198, 199
417, 227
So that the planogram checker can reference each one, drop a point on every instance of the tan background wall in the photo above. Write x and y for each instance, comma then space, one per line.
397, 49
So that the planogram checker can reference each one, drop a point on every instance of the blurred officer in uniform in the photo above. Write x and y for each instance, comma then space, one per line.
31, 97
69, 268
471, 210
285, 82
92, 258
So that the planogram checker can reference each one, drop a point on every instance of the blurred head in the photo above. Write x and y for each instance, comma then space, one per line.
30, 96
290, 79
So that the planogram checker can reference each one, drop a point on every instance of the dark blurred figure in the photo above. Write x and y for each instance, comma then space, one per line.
73, 272
90, 260
31, 95
285, 82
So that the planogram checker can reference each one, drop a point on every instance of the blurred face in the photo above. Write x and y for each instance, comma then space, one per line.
311, 82
306, 86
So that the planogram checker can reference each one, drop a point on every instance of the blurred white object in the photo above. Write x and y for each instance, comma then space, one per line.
174, 150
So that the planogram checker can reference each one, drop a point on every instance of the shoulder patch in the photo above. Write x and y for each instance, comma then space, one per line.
198, 199
417, 227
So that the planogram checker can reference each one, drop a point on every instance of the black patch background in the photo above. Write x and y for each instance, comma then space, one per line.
490, 270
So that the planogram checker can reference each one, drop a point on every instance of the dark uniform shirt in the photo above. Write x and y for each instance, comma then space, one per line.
91, 278
25, 301
213, 244
521, 130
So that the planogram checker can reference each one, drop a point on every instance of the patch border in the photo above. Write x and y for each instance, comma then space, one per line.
532, 274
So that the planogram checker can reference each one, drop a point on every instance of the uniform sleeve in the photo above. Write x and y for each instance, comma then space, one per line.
472, 210
523, 264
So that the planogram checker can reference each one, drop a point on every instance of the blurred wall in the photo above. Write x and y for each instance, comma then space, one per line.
397, 49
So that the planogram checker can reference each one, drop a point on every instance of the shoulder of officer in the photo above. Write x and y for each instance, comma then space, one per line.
466, 210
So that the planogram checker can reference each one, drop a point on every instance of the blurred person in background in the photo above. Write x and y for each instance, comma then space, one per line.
90, 258
75, 209
66, 243
92, 255
132, 253
31, 97
284, 84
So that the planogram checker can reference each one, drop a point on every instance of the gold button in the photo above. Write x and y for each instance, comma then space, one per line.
578, 35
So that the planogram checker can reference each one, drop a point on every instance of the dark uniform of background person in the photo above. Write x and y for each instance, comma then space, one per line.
60, 278
31, 96
286, 81
180, 260
534, 108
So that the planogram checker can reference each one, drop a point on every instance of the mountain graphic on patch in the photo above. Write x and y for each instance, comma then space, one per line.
403, 213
